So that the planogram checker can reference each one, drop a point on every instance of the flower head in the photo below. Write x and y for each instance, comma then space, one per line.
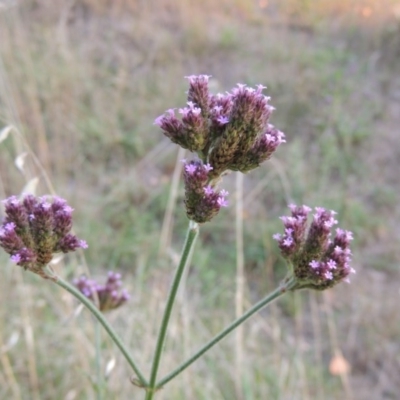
246, 138
35, 228
231, 131
108, 296
202, 201
318, 261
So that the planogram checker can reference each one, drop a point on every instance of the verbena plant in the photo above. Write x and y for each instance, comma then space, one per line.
228, 132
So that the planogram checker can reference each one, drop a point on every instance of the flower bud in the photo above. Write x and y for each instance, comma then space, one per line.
198, 92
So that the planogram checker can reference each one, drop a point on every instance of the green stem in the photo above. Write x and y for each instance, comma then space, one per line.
191, 236
257, 307
99, 315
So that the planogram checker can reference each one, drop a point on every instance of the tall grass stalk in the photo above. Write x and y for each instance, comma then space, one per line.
240, 286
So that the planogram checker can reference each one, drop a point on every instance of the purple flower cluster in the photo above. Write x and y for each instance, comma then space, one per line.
202, 201
108, 296
34, 228
229, 131
319, 261
248, 138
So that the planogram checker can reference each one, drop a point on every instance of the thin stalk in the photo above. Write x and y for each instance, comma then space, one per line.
165, 237
30, 342
240, 286
191, 236
99, 375
100, 317
257, 307
8, 369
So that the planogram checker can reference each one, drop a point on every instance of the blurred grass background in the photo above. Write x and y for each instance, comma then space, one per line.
83, 80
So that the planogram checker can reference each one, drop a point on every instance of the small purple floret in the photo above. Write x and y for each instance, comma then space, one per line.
16, 258
190, 169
